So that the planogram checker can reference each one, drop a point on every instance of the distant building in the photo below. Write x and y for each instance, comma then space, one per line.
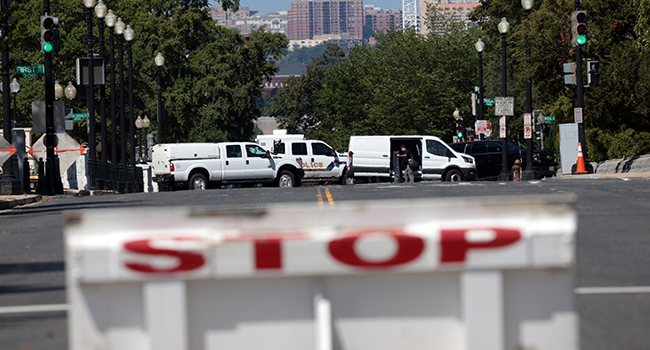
247, 21
381, 19
460, 10
286, 71
310, 18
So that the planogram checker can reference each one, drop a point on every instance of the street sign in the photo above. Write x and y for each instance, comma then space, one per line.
549, 119
502, 127
577, 114
489, 102
6, 150
30, 72
78, 116
482, 126
505, 106
528, 126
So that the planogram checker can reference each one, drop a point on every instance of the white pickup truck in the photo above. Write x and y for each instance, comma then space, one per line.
196, 165
319, 160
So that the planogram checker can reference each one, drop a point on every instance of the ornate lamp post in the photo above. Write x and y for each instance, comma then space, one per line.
529, 173
119, 30
128, 36
503, 29
91, 81
160, 61
480, 46
110, 20
70, 93
101, 11
139, 124
145, 123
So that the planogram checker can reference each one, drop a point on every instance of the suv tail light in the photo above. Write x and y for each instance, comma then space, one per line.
350, 154
172, 167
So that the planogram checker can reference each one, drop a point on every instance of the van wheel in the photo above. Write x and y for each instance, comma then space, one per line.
285, 179
198, 182
345, 180
454, 175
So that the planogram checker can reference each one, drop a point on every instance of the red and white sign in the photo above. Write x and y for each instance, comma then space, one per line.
422, 274
483, 126
502, 127
6, 150
428, 244
528, 126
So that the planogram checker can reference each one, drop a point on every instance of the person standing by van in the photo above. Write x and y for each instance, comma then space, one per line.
404, 155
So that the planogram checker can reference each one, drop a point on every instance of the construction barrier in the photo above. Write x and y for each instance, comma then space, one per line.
488, 273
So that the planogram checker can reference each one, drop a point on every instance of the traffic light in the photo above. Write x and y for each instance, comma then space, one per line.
579, 28
49, 34
593, 69
459, 128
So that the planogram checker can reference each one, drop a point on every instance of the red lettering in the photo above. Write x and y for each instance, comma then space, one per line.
187, 261
268, 254
409, 248
454, 245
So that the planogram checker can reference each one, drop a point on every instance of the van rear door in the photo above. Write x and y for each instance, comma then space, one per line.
371, 155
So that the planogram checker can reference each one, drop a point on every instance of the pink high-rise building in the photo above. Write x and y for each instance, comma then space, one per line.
310, 18
380, 19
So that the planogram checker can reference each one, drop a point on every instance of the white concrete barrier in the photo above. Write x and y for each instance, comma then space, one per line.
470, 273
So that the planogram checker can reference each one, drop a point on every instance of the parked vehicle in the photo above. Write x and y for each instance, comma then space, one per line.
488, 155
372, 157
319, 160
196, 165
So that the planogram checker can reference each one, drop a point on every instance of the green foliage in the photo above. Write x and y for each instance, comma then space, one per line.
623, 143
305, 55
210, 80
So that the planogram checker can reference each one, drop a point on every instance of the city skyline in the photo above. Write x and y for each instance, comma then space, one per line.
265, 6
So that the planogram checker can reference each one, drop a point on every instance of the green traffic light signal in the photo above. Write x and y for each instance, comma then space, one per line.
460, 135
581, 40
48, 47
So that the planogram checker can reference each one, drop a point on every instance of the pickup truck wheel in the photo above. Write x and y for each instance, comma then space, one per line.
286, 179
454, 175
198, 182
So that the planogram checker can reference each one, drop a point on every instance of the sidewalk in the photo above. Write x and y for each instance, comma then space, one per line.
8, 202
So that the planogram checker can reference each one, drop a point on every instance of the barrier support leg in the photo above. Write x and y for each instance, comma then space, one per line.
166, 314
482, 303
323, 321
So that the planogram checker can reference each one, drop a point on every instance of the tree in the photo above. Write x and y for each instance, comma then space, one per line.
211, 77
296, 104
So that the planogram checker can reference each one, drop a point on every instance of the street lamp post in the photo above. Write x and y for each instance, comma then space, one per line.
128, 36
160, 61
145, 123
503, 29
70, 93
119, 30
529, 173
91, 80
110, 20
101, 11
139, 124
480, 46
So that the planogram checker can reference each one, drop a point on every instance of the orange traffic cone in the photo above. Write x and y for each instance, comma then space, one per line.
580, 168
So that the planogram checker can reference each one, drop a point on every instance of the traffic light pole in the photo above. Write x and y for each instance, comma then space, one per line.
580, 90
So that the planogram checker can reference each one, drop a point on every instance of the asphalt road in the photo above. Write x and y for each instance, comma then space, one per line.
612, 249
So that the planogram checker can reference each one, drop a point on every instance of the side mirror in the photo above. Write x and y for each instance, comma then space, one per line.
268, 154
333, 153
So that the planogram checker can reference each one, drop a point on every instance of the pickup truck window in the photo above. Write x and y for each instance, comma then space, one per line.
299, 149
320, 149
255, 151
233, 151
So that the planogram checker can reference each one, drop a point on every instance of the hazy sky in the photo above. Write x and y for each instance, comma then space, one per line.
265, 6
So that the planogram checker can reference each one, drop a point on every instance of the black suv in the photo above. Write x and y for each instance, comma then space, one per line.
488, 155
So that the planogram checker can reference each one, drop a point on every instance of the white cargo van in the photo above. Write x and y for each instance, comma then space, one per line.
373, 157
319, 160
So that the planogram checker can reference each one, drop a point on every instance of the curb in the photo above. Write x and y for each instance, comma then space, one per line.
10, 203
605, 176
